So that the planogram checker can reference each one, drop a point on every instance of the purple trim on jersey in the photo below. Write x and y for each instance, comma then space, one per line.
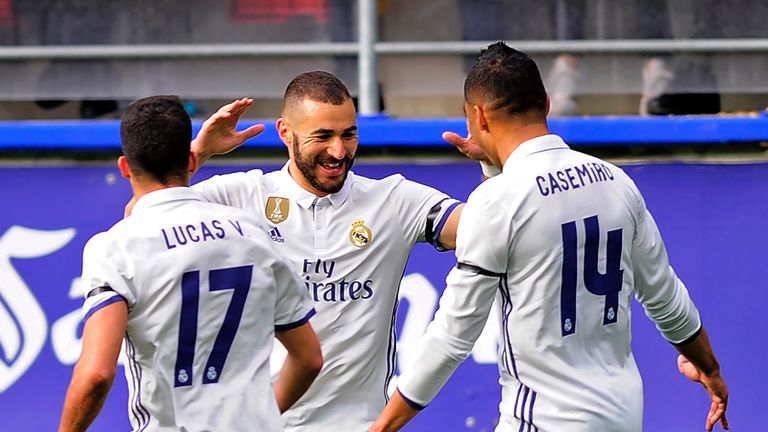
293, 325
522, 409
530, 412
441, 224
139, 411
392, 343
507, 306
517, 398
530, 402
414, 405
116, 298
133, 385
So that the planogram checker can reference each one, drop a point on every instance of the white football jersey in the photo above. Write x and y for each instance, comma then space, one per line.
349, 249
205, 292
562, 241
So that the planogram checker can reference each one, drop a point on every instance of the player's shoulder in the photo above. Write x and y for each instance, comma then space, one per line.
492, 190
243, 178
99, 241
367, 183
395, 185
214, 210
104, 244
612, 169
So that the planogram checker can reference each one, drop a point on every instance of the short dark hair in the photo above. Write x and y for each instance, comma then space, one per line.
319, 86
156, 133
507, 80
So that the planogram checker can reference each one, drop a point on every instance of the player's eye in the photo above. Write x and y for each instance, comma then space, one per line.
349, 135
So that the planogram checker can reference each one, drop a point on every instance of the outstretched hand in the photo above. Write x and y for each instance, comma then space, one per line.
468, 146
715, 386
219, 133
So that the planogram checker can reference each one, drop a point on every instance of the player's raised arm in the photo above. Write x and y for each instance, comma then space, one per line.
219, 134
95, 371
303, 363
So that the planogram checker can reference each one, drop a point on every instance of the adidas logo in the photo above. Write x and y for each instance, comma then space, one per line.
276, 236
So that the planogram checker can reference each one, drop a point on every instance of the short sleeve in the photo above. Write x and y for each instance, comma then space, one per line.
293, 305
422, 211
484, 235
105, 279
234, 190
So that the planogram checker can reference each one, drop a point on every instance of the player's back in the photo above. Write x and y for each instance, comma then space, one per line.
566, 360
201, 317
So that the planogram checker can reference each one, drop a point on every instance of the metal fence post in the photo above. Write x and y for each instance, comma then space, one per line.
367, 64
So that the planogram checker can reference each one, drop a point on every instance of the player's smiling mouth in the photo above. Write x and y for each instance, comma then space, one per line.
335, 167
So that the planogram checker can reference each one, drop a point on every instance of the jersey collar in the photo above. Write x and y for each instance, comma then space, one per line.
534, 145
163, 196
306, 198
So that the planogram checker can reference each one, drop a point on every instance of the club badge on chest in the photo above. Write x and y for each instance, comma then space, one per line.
360, 235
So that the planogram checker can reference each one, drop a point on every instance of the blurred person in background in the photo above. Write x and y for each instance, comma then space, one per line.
71, 22
670, 85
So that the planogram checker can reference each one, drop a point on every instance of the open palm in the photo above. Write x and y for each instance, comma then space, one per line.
716, 388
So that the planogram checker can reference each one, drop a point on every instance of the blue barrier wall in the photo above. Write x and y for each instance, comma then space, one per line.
712, 217
387, 131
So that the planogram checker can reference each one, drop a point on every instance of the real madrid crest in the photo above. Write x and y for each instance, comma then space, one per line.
360, 235
277, 209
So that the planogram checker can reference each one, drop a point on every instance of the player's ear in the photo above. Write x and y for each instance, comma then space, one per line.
549, 102
284, 131
122, 165
193, 163
480, 116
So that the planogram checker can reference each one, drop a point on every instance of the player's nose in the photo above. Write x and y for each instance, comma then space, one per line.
336, 148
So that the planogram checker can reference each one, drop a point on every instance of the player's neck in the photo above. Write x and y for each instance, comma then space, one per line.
512, 135
144, 186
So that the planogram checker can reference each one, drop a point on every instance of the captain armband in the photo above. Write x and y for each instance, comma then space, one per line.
436, 219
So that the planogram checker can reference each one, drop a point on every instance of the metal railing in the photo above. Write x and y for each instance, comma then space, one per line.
368, 48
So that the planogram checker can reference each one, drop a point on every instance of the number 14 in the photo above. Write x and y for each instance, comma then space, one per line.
607, 285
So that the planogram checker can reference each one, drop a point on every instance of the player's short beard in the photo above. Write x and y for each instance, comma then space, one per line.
307, 168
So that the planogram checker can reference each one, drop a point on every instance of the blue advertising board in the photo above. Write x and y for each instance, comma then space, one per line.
713, 218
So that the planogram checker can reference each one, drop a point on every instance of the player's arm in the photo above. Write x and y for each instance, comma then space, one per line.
219, 134
426, 215
396, 414
303, 363
447, 236
464, 308
95, 370
293, 309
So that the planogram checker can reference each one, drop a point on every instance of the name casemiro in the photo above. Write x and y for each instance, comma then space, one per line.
573, 178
